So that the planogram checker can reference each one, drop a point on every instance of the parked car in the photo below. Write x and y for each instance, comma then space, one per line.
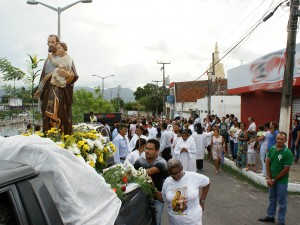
24, 198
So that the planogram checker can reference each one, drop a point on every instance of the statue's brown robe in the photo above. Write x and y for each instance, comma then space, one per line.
57, 102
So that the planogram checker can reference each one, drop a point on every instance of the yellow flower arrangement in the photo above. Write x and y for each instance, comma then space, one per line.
84, 142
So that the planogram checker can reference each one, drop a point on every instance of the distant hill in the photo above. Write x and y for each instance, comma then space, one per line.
125, 93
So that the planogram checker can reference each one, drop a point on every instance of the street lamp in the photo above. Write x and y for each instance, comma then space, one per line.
58, 10
112, 75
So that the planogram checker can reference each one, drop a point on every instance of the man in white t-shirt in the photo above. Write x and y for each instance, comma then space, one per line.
152, 131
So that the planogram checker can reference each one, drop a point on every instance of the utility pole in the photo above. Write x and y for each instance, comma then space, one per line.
156, 108
118, 96
286, 96
210, 85
164, 85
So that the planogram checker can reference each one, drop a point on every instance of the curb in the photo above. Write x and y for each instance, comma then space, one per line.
292, 187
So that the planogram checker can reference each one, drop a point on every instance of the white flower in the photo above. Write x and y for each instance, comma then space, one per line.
83, 127
98, 144
74, 149
92, 157
90, 143
101, 138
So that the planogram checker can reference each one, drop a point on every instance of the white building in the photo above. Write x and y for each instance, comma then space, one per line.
220, 106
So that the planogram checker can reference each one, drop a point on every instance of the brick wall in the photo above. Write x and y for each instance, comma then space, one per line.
192, 90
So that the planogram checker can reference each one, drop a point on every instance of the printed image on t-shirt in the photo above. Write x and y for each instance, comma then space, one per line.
179, 202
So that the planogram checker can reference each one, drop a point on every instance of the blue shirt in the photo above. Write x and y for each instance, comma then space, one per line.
122, 150
272, 139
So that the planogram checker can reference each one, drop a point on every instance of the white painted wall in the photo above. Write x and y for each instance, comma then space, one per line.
184, 108
221, 105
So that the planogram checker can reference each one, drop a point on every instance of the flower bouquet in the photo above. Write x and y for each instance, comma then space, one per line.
120, 176
85, 142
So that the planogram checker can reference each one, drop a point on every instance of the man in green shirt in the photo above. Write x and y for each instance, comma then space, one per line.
278, 162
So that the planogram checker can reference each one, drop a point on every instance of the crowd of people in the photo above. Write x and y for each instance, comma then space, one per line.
172, 152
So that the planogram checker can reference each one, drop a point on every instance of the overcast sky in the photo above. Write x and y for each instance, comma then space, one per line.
128, 37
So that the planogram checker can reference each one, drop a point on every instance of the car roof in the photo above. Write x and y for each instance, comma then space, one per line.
12, 172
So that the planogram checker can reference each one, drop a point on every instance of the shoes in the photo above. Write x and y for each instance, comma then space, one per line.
267, 219
281, 223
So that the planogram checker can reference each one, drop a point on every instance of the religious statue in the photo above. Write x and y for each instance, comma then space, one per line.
55, 88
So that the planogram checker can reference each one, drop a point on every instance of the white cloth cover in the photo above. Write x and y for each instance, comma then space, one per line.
81, 195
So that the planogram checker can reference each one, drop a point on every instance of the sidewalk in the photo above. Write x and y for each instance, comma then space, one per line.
294, 176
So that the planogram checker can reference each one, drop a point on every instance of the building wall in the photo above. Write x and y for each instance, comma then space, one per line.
263, 106
185, 106
192, 90
220, 105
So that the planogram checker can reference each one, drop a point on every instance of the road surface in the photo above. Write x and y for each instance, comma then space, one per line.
232, 202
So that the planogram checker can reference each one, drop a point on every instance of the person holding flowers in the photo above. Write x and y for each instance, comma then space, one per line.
156, 168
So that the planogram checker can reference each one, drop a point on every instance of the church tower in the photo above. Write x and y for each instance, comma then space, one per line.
217, 70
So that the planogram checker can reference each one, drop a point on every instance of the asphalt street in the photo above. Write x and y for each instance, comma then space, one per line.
232, 202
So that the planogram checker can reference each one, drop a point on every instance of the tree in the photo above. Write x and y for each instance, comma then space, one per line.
150, 96
10, 73
85, 102
129, 106
118, 103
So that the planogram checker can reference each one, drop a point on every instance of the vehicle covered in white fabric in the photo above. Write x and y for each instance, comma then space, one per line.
24, 198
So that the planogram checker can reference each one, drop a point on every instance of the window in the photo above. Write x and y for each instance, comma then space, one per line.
7, 216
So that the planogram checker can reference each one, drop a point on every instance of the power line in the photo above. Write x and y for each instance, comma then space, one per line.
247, 34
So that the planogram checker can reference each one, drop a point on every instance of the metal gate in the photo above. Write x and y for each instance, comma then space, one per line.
296, 108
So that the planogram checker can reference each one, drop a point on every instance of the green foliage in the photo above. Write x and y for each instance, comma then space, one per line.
10, 73
130, 106
4, 99
22, 93
118, 103
115, 177
150, 96
147, 91
33, 72
9, 113
84, 102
